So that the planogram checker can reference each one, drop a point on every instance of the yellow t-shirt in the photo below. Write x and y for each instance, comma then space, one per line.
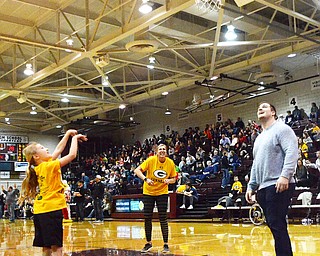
51, 194
237, 186
181, 189
157, 172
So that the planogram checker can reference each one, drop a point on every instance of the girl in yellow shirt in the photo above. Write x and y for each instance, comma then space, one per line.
43, 183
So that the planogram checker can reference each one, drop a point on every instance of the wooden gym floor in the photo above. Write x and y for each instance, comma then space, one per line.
114, 237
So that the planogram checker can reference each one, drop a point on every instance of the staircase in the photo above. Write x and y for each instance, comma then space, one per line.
200, 210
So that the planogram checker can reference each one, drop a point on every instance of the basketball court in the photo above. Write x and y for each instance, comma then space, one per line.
193, 237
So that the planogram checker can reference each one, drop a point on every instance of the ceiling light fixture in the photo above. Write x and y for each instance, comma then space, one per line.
122, 106
28, 71
230, 34
69, 42
145, 7
292, 55
105, 80
33, 111
214, 78
65, 100
167, 112
152, 61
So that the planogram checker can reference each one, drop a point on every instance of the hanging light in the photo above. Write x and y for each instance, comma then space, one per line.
152, 61
28, 71
33, 111
105, 80
231, 34
69, 42
292, 55
58, 126
167, 112
65, 99
122, 106
145, 7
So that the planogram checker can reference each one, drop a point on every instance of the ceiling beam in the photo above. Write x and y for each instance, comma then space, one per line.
289, 12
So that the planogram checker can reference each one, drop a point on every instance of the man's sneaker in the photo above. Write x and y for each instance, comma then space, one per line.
183, 207
165, 249
146, 248
190, 207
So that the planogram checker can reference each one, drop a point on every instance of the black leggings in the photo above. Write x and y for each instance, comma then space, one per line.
162, 205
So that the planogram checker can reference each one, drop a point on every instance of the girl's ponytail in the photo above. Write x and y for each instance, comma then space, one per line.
30, 183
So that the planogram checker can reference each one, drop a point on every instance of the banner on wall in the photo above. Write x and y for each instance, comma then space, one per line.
315, 84
13, 139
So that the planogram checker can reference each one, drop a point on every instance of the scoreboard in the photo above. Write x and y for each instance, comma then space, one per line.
11, 152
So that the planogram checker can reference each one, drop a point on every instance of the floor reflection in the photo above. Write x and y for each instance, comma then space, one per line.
185, 239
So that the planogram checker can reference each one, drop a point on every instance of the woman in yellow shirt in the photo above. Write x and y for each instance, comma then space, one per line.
157, 172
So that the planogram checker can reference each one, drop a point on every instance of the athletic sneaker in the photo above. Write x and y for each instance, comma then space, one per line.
183, 207
146, 248
190, 207
165, 249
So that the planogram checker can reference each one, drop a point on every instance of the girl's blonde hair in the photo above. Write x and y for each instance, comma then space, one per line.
30, 182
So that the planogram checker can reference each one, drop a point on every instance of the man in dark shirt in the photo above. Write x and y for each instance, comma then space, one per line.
97, 196
79, 196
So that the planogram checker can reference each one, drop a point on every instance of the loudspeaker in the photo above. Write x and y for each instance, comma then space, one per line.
103, 61
22, 98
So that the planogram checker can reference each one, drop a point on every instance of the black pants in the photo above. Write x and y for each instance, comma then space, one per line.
275, 207
79, 211
162, 205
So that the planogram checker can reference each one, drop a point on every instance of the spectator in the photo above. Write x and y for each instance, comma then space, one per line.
314, 112
225, 170
85, 179
239, 123
97, 196
11, 198
206, 173
224, 140
303, 147
289, 120
234, 161
297, 115
79, 197
190, 162
189, 193
301, 175
236, 188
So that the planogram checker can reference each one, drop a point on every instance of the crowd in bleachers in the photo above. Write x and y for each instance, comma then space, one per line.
215, 153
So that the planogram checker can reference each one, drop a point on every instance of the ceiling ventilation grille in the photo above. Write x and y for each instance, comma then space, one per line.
142, 46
